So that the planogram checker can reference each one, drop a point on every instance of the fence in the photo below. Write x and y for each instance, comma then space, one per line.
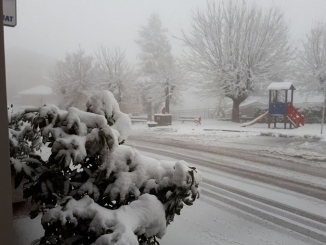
312, 115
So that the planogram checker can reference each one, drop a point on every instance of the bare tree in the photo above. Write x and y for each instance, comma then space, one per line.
114, 72
233, 47
166, 83
73, 79
312, 61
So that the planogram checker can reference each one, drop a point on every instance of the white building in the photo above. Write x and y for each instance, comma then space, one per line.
36, 96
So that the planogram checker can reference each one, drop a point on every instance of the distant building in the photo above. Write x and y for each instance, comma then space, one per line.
36, 96
308, 101
247, 108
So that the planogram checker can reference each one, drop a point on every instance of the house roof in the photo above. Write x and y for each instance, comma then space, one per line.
281, 86
309, 98
251, 102
254, 102
38, 90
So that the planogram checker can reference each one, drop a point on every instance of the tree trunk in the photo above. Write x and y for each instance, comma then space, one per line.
167, 106
167, 100
149, 111
236, 110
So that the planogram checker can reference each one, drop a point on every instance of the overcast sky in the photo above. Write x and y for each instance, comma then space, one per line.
53, 27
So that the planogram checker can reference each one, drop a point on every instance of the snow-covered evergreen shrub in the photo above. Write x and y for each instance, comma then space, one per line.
312, 114
93, 189
260, 111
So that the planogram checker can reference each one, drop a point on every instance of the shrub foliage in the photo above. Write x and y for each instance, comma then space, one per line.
90, 167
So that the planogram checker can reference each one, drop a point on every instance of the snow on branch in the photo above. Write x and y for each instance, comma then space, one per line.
234, 47
134, 171
92, 188
70, 148
312, 62
144, 216
104, 103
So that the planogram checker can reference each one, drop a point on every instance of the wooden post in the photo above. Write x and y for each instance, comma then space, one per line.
270, 100
291, 103
6, 234
270, 96
269, 121
275, 119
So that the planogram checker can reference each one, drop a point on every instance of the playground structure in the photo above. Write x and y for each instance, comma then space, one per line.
280, 106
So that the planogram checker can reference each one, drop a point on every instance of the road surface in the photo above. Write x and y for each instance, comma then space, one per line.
248, 196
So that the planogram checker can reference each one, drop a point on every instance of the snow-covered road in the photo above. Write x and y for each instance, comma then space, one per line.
288, 210
297, 174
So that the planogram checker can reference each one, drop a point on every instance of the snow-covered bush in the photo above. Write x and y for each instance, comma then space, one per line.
93, 189
312, 114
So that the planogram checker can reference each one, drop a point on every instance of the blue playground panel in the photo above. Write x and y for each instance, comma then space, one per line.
277, 109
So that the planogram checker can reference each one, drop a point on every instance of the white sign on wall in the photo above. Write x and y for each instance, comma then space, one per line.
9, 13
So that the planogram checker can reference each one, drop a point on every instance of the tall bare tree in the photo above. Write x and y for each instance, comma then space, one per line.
312, 61
73, 79
165, 83
114, 72
232, 47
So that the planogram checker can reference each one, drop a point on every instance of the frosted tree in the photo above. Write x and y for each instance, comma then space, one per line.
233, 47
160, 75
93, 189
114, 73
165, 84
312, 61
73, 79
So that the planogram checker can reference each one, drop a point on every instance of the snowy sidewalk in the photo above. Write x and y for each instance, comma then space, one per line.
303, 142
310, 131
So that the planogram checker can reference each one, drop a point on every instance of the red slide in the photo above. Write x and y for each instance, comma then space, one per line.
296, 118
255, 120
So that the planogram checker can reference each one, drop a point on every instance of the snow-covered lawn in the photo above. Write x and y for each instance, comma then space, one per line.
210, 125
304, 142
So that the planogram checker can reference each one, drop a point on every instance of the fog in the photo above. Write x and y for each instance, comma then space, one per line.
46, 30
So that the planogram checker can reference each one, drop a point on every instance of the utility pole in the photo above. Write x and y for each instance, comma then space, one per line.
6, 225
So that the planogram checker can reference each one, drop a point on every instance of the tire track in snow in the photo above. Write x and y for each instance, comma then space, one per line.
259, 157
281, 206
266, 214
243, 171
297, 220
